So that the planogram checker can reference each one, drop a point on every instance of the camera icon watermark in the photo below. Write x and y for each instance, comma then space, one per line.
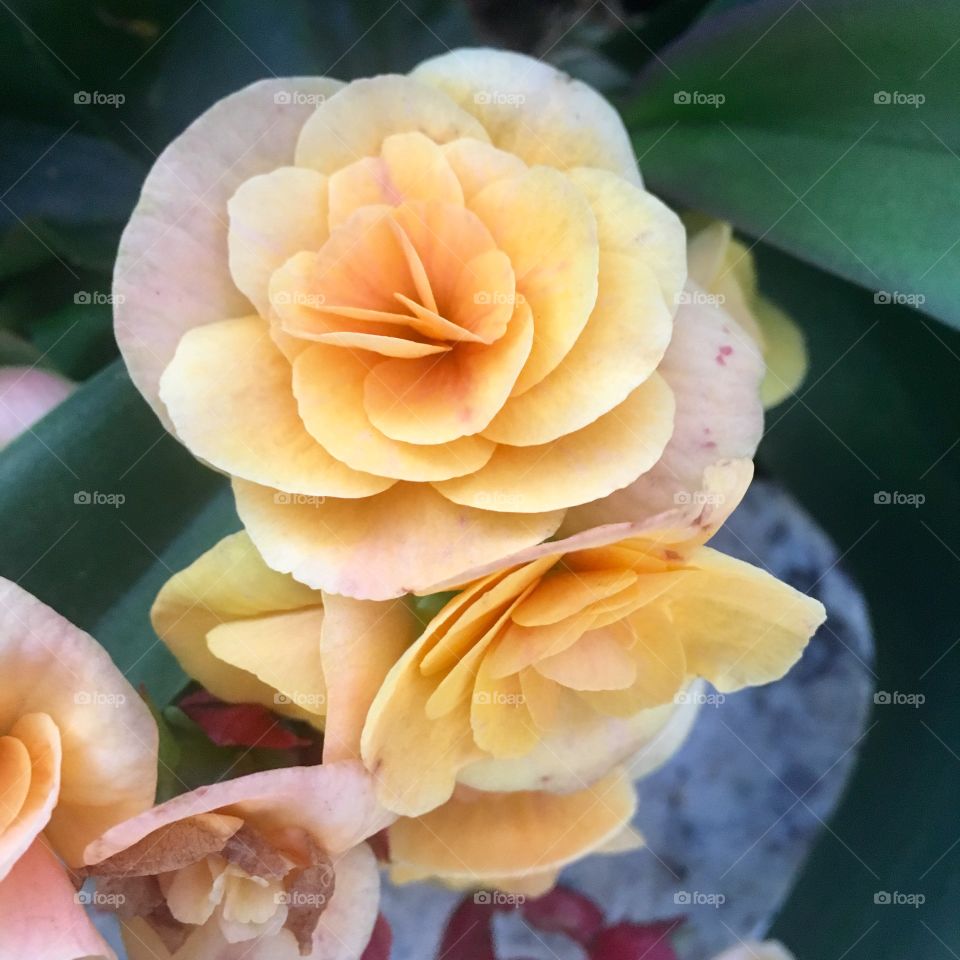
899, 98
884, 898
897, 498
698, 898
897, 699
699, 98
298, 98
497, 898
87, 498
95, 98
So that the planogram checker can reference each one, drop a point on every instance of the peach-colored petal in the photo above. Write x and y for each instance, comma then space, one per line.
620, 347
592, 462
714, 371
230, 582
26, 395
533, 110
35, 741
410, 167
386, 346
436, 400
40, 915
171, 270
229, 393
477, 163
635, 223
343, 810
599, 660
566, 592
272, 217
338, 545
106, 731
329, 386
546, 227
354, 122
360, 642
478, 837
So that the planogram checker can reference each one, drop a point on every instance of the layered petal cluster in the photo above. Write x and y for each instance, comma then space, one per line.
78, 754
432, 311
271, 865
547, 671
723, 267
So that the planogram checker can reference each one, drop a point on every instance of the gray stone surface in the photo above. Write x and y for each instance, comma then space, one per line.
735, 812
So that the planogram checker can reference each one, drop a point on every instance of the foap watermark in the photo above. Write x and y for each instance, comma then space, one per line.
885, 898
286, 298
699, 98
297, 499
899, 98
896, 698
898, 299
896, 498
499, 98
497, 698
297, 698
103, 901
683, 498
700, 697
97, 98
497, 898
97, 298
300, 898
298, 98
701, 298
697, 898
95, 498
498, 297
98, 698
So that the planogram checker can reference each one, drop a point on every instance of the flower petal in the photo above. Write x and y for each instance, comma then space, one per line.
620, 347
338, 545
592, 462
714, 370
272, 217
354, 122
107, 733
170, 274
476, 837
360, 643
533, 110
545, 226
26, 395
229, 393
477, 163
40, 915
329, 386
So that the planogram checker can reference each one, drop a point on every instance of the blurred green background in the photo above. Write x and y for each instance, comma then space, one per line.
835, 150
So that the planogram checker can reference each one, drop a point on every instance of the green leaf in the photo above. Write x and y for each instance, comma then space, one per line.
798, 152
98, 507
16, 352
878, 415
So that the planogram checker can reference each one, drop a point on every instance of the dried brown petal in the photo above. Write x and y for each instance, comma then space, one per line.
171, 931
250, 850
171, 847
133, 896
309, 890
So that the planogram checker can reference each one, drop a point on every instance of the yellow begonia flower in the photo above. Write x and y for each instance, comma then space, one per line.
78, 754
423, 320
724, 267
552, 668
249, 634
269, 866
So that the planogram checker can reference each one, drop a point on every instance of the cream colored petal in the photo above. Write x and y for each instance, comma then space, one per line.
739, 625
230, 582
283, 651
355, 122
590, 463
338, 545
385, 346
707, 252
360, 643
533, 110
567, 592
714, 370
107, 734
229, 392
635, 223
522, 646
188, 893
619, 349
329, 386
477, 837
172, 270
272, 217
501, 723
784, 352
438, 400
546, 227
410, 166
599, 660
768, 950
477, 163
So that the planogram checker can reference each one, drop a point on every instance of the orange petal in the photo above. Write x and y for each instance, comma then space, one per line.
599, 660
